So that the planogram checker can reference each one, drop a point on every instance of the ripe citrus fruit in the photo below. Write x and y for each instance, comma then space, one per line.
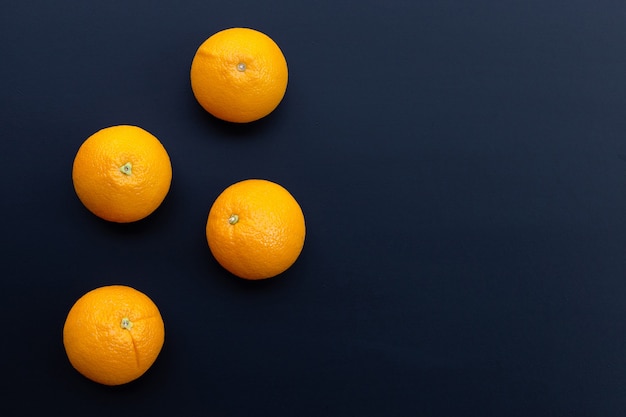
113, 334
255, 229
122, 173
239, 75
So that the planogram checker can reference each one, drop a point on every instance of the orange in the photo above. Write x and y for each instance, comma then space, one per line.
113, 334
122, 173
255, 229
239, 75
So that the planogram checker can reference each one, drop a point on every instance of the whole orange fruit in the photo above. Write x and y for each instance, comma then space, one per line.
255, 229
113, 334
239, 75
122, 173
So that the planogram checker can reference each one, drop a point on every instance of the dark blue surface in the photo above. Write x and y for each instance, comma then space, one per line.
461, 166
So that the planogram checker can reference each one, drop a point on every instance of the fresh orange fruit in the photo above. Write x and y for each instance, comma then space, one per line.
122, 173
113, 334
239, 75
255, 229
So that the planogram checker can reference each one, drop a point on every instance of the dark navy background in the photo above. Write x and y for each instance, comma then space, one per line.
461, 166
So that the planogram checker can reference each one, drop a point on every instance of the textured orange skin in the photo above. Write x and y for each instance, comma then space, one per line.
233, 95
105, 190
100, 348
268, 236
